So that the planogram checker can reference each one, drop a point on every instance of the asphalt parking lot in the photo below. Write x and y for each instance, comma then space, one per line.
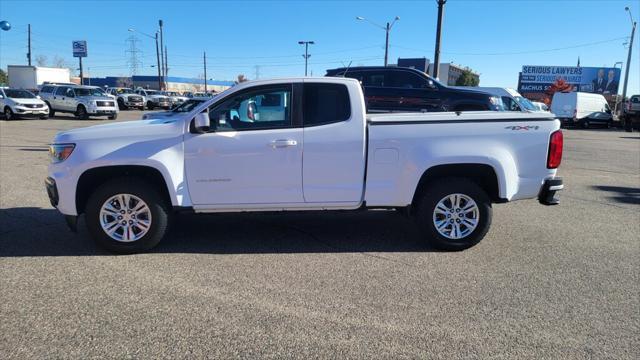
546, 282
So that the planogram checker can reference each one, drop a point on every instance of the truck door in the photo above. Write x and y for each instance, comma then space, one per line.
248, 158
334, 143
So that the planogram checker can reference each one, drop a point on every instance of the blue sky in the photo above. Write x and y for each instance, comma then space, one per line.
494, 38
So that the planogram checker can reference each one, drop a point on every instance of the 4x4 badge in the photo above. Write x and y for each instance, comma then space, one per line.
527, 127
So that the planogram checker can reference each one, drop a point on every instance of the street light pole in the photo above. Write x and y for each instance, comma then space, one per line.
436, 56
387, 29
204, 57
162, 66
626, 75
306, 53
158, 59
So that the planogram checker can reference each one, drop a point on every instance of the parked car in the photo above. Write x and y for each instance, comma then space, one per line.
511, 99
203, 94
82, 101
631, 113
406, 89
540, 106
580, 108
318, 151
127, 98
155, 99
18, 103
188, 94
175, 97
179, 110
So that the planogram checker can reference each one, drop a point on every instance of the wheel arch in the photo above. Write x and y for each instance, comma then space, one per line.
94, 177
483, 175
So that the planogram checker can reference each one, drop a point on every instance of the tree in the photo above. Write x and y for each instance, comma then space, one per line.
41, 60
467, 78
59, 62
241, 79
4, 80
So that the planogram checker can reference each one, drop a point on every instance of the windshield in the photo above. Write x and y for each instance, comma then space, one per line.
171, 93
525, 103
88, 92
152, 92
18, 94
187, 106
124, 91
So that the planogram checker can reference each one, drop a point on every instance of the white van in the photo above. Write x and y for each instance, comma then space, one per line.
579, 108
511, 99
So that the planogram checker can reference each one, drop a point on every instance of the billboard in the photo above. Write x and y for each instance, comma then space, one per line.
538, 79
79, 48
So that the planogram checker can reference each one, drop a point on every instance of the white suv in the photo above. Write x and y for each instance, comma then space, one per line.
16, 103
82, 101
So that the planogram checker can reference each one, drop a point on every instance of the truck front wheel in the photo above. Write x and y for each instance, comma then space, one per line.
454, 214
127, 216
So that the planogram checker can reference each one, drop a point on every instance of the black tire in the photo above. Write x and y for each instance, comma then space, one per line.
149, 105
437, 191
113, 117
160, 215
81, 113
585, 124
52, 112
8, 113
121, 105
44, 117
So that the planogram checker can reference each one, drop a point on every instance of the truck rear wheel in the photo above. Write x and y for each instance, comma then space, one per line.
454, 214
127, 216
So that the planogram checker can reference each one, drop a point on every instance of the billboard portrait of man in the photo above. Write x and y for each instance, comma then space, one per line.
599, 83
612, 85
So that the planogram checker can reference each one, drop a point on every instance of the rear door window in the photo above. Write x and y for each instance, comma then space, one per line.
325, 104
405, 80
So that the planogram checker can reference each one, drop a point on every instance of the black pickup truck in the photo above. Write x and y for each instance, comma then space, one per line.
407, 89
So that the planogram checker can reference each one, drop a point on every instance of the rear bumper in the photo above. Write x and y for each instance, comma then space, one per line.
549, 190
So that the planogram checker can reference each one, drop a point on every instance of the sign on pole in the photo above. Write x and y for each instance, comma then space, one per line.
79, 48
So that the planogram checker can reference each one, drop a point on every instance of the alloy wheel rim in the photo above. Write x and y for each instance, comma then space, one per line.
456, 216
125, 218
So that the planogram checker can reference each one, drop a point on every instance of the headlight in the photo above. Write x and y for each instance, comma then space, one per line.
60, 152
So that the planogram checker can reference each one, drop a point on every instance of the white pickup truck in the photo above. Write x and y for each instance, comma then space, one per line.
302, 144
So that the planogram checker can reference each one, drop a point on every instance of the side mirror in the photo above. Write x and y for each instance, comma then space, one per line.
202, 123
430, 84
37, 96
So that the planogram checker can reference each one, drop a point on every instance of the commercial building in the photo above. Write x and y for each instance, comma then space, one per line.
449, 73
179, 84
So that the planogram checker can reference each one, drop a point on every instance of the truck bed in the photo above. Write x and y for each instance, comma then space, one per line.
401, 146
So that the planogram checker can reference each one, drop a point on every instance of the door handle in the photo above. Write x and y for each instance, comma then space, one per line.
282, 143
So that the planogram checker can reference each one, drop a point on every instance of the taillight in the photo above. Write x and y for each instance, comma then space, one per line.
555, 150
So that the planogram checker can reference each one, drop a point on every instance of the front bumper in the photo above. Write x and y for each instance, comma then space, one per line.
52, 191
25, 111
549, 190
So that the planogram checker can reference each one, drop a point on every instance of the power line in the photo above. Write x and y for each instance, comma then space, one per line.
520, 52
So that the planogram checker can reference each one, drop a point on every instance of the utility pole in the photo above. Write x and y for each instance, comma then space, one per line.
436, 56
386, 46
306, 55
626, 74
158, 58
162, 67
386, 29
166, 64
257, 67
204, 57
29, 44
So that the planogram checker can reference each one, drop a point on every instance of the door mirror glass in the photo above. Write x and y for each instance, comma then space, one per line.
202, 123
430, 84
